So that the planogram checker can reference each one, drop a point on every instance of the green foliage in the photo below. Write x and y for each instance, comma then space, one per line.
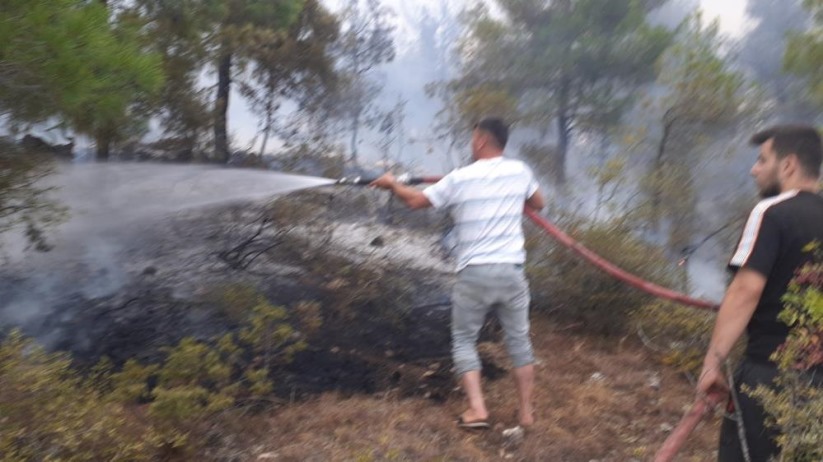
142, 412
298, 65
49, 412
804, 52
705, 97
226, 35
365, 42
575, 64
242, 26
577, 291
679, 334
797, 403
22, 201
175, 30
68, 59
198, 380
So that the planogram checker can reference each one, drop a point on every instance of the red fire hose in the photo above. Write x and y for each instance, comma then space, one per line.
700, 409
612, 269
578, 248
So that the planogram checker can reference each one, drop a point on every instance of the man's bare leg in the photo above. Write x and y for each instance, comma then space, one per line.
524, 380
477, 406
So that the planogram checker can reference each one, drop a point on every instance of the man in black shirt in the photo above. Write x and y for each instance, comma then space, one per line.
789, 217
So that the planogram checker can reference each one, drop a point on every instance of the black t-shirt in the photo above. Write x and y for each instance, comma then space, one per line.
772, 244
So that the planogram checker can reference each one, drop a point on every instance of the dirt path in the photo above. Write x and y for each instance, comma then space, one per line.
597, 400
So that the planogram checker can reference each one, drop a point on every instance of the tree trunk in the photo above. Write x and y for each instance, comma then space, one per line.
563, 133
562, 149
658, 170
266, 131
221, 107
102, 147
355, 130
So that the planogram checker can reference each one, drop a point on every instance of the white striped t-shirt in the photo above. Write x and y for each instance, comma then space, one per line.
753, 225
486, 200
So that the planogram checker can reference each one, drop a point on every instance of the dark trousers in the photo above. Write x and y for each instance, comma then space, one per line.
760, 438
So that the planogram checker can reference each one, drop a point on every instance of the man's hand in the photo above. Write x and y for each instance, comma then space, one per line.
735, 312
412, 197
712, 385
387, 181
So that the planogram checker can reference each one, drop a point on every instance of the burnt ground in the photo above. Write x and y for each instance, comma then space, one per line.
128, 295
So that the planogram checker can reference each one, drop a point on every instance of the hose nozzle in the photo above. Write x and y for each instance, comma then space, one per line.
361, 181
354, 181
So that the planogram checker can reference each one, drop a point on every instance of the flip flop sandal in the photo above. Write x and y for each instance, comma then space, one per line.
473, 425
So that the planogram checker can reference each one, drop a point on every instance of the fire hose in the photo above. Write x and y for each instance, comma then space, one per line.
699, 408
552, 230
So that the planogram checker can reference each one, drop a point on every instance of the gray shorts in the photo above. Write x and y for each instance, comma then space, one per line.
478, 290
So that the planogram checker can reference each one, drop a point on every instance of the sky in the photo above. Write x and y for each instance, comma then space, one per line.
731, 13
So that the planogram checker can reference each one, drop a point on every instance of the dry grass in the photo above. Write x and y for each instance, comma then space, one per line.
618, 418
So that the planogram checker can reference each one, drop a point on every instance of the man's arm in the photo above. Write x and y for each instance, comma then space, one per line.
412, 197
536, 201
735, 312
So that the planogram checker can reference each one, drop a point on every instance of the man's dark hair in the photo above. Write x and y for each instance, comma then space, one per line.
800, 140
496, 128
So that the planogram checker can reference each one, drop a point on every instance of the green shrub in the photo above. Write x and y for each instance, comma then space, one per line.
573, 290
796, 404
172, 409
49, 411
679, 334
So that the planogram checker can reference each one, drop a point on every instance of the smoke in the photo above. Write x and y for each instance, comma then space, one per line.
673, 12
113, 210
762, 49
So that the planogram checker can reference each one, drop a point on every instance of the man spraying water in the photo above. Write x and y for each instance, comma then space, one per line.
486, 200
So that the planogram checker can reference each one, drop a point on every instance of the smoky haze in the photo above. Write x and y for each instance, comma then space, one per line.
111, 207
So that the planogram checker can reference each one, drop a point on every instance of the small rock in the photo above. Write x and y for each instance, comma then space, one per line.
335, 350
377, 242
428, 374
389, 354
434, 366
666, 428
654, 382
514, 435
597, 377
267, 456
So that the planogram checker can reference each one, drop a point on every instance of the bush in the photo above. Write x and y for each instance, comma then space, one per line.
679, 334
176, 408
797, 402
574, 290
49, 411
